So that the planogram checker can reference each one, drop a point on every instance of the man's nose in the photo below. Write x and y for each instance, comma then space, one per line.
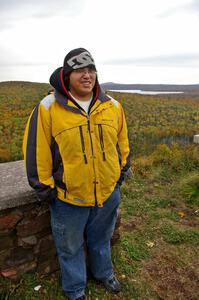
86, 72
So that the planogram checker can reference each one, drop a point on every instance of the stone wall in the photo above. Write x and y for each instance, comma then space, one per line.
26, 243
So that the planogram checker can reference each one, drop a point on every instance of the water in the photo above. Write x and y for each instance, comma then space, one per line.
145, 92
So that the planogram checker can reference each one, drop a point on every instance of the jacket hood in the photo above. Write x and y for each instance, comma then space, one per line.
57, 82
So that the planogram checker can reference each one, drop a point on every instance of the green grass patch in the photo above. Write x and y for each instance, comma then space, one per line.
190, 188
24, 290
174, 235
163, 214
136, 251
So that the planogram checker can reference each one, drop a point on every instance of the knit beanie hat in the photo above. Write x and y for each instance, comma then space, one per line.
77, 59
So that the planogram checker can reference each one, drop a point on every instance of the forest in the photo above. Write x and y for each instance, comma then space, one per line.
157, 254
17, 99
152, 120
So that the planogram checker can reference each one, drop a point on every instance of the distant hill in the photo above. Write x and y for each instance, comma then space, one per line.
187, 89
18, 88
22, 83
21, 87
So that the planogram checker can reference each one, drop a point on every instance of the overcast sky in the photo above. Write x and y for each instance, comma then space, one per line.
132, 41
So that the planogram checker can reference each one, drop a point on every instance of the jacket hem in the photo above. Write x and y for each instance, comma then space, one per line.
71, 199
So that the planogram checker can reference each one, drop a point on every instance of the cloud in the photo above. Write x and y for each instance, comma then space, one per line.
4, 64
12, 11
176, 60
44, 6
192, 7
9, 58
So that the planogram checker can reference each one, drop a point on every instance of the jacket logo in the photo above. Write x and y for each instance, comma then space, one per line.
78, 200
81, 60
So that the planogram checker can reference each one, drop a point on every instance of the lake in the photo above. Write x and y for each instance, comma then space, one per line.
145, 92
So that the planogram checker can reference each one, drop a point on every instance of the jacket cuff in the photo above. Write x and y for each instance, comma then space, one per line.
121, 179
47, 195
125, 175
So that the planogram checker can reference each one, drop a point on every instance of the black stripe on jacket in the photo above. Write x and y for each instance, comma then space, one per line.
44, 192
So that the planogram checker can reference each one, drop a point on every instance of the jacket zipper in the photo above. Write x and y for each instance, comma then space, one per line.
83, 144
89, 130
101, 140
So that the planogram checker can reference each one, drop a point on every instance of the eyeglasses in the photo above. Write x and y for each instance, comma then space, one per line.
85, 70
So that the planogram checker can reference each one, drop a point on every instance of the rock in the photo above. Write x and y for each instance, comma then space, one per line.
19, 256
6, 242
32, 226
9, 272
29, 240
14, 188
15, 273
48, 266
9, 221
3, 255
45, 244
48, 255
196, 138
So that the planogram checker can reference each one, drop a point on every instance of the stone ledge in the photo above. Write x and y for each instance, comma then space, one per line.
14, 188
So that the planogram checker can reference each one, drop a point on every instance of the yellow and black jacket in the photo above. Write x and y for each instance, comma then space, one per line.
75, 156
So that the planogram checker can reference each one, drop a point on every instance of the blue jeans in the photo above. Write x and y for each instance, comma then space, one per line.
72, 227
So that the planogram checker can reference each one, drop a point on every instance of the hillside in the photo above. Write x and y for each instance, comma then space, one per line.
152, 120
157, 255
17, 99
18, 89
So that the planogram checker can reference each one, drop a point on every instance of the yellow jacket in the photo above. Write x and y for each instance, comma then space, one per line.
78, 156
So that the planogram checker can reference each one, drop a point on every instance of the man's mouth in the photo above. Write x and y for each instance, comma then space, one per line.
86, 83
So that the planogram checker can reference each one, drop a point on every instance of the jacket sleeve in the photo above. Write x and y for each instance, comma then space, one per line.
37, 153
123, 145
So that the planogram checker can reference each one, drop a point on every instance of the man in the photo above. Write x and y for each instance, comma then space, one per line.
77, 152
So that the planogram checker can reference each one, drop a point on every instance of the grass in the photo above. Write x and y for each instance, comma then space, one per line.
174, 235
157, 256
190, 188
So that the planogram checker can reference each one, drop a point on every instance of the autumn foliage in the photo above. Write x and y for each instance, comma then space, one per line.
152, 120
17, 100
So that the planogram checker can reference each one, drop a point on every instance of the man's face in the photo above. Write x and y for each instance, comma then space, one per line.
82, 82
